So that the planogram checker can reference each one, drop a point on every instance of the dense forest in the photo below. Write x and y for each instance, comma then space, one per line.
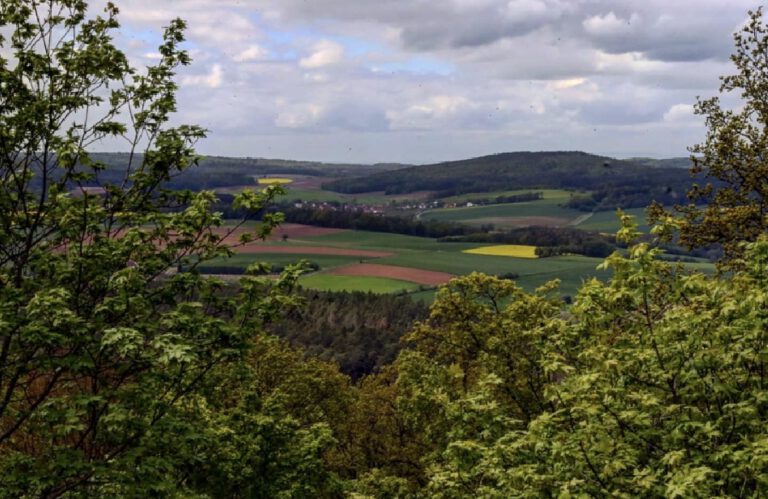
121, 376
360, 332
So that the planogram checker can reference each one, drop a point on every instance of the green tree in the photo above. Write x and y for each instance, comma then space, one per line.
101, 342
652, 384
733, 206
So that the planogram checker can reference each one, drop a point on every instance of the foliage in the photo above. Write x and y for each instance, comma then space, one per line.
652, 384
101, 343
359, 331
733, 206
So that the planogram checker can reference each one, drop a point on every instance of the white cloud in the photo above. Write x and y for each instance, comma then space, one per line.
324, 53
428, 113
252, 53
298, 116
611, 25
214, 79
680, 113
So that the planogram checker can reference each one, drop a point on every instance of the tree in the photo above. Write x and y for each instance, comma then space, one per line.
733, 206
652, 384
101, 342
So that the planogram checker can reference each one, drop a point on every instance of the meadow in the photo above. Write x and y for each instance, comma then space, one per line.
547, 211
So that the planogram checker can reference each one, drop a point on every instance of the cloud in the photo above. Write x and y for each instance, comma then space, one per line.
214, 79
413, 80
324, 53
251, 53
610, 25
681, 113
298, 116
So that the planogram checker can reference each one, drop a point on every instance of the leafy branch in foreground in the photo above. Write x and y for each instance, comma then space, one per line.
100, 338
733, 206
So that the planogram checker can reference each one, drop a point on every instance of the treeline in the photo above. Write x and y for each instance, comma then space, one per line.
550, 241
360, 219
359, 331
625, 196
512, 198
241, 270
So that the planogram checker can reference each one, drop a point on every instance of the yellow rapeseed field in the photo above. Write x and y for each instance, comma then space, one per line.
274, 180
515, 250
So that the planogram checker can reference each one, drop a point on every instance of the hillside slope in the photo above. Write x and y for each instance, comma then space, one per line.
520, 170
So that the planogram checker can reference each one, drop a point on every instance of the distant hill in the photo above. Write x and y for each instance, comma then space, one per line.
218, 171
682, 162
613, 183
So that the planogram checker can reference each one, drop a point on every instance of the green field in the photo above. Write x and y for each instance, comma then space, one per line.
608, 221
329, 282
571, 270
556, 195
369, 198
508, 215
388, 242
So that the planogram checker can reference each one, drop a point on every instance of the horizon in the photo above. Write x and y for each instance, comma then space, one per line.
385, 162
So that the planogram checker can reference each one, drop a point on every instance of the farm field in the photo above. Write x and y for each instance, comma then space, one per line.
513, 250
542, 212
416, 253
556, 195
331, 282
608, 221
410, 274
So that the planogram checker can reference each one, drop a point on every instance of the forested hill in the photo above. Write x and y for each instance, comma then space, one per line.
521, 170
218, 171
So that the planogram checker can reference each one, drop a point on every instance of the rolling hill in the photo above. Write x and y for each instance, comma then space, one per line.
520, 170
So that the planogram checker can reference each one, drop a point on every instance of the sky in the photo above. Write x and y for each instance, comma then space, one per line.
421, 81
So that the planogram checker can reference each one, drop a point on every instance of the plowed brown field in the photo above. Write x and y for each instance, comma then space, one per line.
418, 276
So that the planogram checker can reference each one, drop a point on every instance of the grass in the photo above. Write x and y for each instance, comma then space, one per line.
328, 282
505, 215
319, 195
465, 263
556, 195
386, 241
608, 221
513, 250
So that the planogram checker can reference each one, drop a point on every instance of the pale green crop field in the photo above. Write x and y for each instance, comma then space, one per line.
329, 282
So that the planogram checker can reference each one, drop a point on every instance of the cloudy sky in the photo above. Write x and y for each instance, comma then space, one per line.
429, 80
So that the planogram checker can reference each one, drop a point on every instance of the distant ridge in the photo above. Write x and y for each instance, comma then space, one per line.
575, 170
